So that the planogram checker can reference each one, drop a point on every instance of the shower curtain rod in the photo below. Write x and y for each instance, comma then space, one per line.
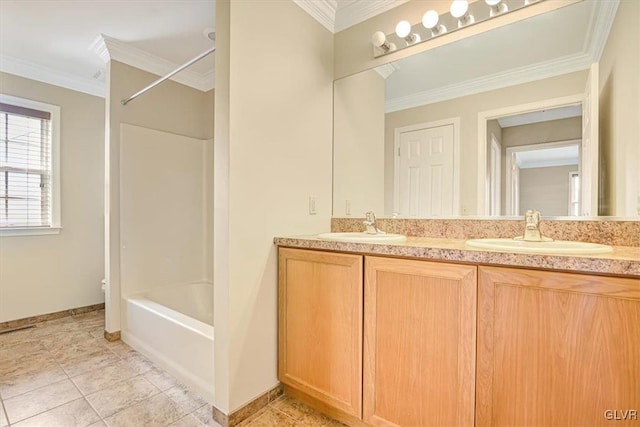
168, 76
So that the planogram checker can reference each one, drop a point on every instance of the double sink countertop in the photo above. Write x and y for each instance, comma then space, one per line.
623, 261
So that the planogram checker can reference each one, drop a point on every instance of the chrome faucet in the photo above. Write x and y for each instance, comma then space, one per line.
370, 223
532, 228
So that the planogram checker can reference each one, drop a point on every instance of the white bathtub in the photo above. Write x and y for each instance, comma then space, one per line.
173, 326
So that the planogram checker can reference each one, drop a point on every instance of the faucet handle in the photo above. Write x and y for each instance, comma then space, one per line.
370, 217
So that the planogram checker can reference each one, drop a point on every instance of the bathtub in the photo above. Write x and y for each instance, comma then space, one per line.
173, 326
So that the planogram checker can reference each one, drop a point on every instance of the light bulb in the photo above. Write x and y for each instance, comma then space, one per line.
378, 39
430, 22
459, 8
430, 19
497, 7
403, 29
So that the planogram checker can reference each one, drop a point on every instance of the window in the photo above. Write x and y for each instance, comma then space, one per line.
29, 177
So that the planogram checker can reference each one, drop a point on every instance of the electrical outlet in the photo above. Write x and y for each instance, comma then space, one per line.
347, 207
313, 201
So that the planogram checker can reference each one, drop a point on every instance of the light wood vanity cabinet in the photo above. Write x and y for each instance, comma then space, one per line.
556, 349
419, 343
320, 326
442, 344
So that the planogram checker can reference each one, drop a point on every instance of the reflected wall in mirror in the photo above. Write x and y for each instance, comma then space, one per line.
413, 138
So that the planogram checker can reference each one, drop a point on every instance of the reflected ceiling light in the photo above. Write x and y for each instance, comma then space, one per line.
430, 22
460, 10
403, 30
497, 7
528, 2
379, 40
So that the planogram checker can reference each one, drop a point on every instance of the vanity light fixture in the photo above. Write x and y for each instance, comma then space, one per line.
407, 35
497, 7
403, 30
379, 40
430, 22
460, 10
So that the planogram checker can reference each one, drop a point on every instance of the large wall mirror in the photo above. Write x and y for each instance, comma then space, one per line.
540, 114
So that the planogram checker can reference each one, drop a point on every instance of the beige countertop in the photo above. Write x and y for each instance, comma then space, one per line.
624, 260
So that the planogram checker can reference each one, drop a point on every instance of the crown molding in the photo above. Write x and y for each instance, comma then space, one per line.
33, 71
323, 11
600, 27
358, 11
335, 17
516, 76
109, 48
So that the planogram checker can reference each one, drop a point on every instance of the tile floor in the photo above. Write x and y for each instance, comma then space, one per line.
63, 373
287, 412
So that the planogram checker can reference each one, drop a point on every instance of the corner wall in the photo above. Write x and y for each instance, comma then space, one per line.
49, 273
272, 151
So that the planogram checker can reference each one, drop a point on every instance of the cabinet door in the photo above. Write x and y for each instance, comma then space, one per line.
320, 326
557, 349
419, 343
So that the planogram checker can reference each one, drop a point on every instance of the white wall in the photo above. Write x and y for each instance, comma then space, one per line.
620, 115
358, 166
272, 150
546, 190
45, 274
162, 209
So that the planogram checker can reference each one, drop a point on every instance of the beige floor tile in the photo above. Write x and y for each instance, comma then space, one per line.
122, 395
271, 417
85, 363
139, 362
158, 411
188, 400
98, 424
62, 341
188, 421
291, 407
11, 350
3, 417
97, 332
29, 378
90, 323
161, 379
34, 402
121, 349
205, 416
99, 379
77, 413
22, 362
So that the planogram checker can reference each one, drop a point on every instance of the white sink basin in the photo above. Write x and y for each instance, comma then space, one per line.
363, 237
555, 247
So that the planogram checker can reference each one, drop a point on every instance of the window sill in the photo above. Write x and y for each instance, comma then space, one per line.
29, 231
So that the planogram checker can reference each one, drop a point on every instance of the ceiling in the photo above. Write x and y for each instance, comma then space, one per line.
60, 41
541, 116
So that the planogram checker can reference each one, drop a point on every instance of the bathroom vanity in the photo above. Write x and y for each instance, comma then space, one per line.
431, 332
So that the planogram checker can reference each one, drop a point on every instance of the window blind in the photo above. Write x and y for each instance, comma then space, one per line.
25, 167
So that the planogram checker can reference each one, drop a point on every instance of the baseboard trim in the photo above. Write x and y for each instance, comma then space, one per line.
19, 323
247, 410
112, 336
